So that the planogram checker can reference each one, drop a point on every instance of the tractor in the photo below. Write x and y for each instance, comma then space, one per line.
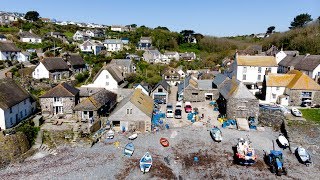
275, 161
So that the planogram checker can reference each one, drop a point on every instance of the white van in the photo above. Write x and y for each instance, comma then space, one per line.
170, 113
179, 105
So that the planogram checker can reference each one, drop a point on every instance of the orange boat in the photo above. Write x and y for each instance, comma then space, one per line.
164, 142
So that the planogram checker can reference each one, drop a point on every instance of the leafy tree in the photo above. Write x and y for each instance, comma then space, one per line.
270, 30
300, 21
162, 28
187, 35
32, 16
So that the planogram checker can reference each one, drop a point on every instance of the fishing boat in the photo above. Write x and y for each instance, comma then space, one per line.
133, 136
303, 155
216, 134
128, 149
245, 154
110, 134
164, 142
283, 141
146, 163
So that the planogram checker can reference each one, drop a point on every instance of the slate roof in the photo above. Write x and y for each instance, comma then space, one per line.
112, 41
115, 72
55, 63
308, 63
88, 91
205, 84
91, 43
145, 85
76, 59
232, 88
290, 60
260, 61
184, 83
164, 84
11, 93
96, 101
27, 34
122, 62
140, 100
219, 79
8, 47
61, 90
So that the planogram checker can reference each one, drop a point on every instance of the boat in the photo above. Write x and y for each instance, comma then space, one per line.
283, 141
164, 142
146, 163
133, 136
296, 112
245, 154
303, 155
110, 134
128, 149
216, 134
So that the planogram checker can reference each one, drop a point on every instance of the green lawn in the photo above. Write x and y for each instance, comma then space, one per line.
68, 34
311, 114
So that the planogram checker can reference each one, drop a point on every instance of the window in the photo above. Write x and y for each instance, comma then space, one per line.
195, 94
277, 88
10, 109
107, 83
273, 96
25, 112
259, 69
107, 76
244, 69
24, 102
21, 114
244, 77
129, 111
11, 122
160, 90
57, 99
259, 77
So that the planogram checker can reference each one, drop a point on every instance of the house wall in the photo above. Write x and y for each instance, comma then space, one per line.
9, 55
19, 112
316, 72
155, 91
23, 58
195, 95
242, 108
102, 81
48, 104
280, 55
137, 120
59, 75
273, 90
296, 98
40, 72
31, 40
252, 73
114, 47
142, 89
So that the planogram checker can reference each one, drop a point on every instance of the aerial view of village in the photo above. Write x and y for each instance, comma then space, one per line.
159, 90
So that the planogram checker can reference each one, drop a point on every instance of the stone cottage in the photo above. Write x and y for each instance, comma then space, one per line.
59, 100
236, 101
133, 113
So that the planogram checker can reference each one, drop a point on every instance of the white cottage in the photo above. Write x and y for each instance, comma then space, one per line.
54, 68
89, 46
113, 45
16, 103
29, 37
8, 51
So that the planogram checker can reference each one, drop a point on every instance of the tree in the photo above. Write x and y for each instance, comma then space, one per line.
300, 21
32, 16
187, 35
162, 28
270, 29
319, 19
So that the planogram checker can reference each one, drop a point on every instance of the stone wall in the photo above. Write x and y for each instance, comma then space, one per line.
242, 108
47, 105
271, 118
195, 95
295, 97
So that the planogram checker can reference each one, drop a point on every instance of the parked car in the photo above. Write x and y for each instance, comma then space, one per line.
169, 113
178, 114
179, 105
169, 106
296, 112
159, 101
187, 107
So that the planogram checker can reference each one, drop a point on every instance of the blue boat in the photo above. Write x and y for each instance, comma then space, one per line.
216, 134
128, 149
146, 163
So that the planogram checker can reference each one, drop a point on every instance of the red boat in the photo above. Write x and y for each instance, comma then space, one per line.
164, 142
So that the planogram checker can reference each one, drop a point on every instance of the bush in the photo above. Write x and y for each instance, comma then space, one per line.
30, 131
